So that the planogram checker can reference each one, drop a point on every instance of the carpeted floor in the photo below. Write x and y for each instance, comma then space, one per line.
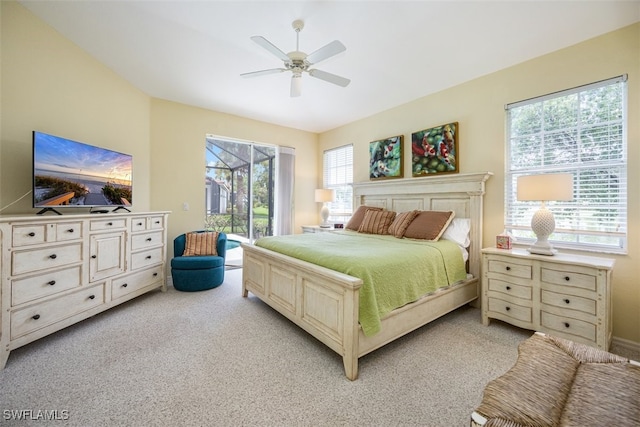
214, 358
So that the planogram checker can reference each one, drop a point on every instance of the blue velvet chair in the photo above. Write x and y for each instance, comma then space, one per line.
197, 273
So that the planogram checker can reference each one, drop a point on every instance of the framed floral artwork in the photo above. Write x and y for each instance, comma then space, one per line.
435, 150
385, 158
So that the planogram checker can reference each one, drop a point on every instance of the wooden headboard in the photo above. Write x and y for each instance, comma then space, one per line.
461, 193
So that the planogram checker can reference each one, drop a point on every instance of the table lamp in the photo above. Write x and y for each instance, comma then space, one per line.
325, 195
544, 188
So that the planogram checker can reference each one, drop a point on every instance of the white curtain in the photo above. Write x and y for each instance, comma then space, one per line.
284, 191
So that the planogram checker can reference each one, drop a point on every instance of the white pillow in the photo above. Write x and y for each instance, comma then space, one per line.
458, 232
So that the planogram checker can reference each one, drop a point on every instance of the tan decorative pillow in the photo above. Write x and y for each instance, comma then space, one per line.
429, 225
402, 221
199, 244
358, 216
376, 222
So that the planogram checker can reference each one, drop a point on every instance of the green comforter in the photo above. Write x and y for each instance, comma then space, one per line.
394, 271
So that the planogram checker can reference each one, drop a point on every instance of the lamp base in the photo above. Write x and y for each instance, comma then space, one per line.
543, 224
542, 249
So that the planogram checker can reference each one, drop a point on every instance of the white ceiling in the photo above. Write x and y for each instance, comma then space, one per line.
193, 52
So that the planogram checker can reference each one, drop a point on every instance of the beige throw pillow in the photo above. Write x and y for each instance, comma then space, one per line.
376, 222
358, 216
429, 225
401, 222
199, 244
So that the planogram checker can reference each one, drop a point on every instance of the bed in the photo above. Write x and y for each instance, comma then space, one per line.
325, 303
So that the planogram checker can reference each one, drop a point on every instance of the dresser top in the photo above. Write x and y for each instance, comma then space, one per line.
560, 257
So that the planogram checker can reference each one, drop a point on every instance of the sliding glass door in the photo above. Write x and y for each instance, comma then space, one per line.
239, 187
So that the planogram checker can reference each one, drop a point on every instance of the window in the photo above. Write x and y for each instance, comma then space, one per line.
338, 175
581, 131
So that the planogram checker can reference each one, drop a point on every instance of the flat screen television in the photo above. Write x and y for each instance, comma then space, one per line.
68, 173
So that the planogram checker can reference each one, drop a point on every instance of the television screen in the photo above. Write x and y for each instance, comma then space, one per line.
68, 173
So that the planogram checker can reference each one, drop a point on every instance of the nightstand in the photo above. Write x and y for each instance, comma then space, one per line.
564, 295
315, 229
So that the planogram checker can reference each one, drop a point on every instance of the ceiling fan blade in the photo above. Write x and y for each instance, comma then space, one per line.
263, 72
333, 48
328, 77
296, 85
270, 47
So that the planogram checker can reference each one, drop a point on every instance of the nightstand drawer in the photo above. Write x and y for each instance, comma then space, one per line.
567, 325
509, 268
569, 278
571, 302
518, 291
510, 309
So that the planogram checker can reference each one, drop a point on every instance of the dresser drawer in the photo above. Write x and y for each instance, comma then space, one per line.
49, 283
568, 326
146, 240
156, 223
569, 278
107, 224
510, 268
26, 261
572, 302
132, 282
32, 318
146, 258
68, 231
138, 224
518, 291
510, 309
25, 235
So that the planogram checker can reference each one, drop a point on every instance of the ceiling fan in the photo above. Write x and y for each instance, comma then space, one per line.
299, 62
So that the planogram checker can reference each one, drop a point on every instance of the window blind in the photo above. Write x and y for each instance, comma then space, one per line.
338, 175
581, 131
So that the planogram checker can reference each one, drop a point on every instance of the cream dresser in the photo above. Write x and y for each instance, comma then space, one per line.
564, 295
59, 270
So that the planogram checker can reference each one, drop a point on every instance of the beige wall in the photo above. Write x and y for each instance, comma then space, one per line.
478, 106
178, 140
51, 85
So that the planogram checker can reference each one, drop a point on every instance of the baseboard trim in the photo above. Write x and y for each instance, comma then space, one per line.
626, 344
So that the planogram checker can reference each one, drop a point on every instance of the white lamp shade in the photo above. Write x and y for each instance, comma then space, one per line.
552, 186
325, 195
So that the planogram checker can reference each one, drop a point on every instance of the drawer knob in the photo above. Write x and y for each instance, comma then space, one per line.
157, 222
508, 288
92, 296
124, 285
53, 256
507, 308
155, 274
148, 239
567, 300
94, 256
148, 257
508, 268
109, 223
36, 317
70, 230
31, 234
52, 282
566, 324
140, 224
567, 278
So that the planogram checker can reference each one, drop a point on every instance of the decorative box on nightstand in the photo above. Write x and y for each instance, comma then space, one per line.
564, 295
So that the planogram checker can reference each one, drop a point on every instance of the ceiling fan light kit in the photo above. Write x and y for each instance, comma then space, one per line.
299, 62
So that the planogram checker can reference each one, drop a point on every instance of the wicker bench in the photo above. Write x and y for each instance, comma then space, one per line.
556, 382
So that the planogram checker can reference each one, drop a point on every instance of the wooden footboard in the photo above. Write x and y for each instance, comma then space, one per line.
321, 301
325, 303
